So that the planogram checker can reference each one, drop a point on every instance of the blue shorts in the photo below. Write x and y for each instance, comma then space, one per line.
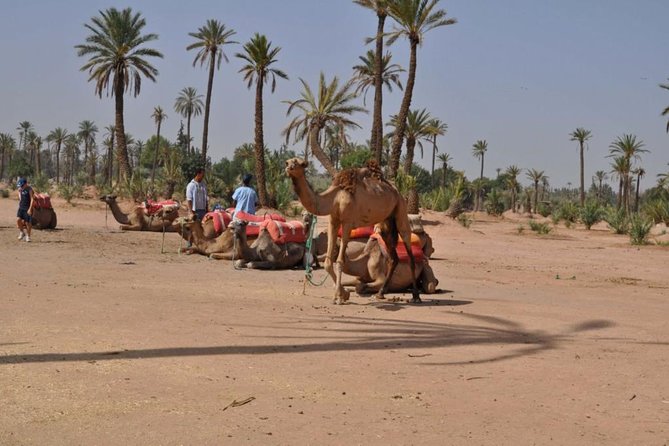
23, 215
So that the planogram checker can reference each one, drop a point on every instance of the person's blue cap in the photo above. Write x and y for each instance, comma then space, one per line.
21, 182
247, 178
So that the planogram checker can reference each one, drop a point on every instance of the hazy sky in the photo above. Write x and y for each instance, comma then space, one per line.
522, 74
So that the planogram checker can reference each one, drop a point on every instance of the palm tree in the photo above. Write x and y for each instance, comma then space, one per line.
158, 116
536, 176
188, 104
581, 135
7, 146
259, 56
665, 112
24, 128
87, 131
35, 145
639, 172
210, 39
619, 168
600, 176
71, 148
139, 146
365, 76
418, 129
415, 18
109, 171
512, 173
444, 158
479, 149
331, 106
117, 52
438, 129
630, 149
380, 7
57, 137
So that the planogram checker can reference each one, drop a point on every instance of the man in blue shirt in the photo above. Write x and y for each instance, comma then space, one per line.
245, 197
196, 195
25, 212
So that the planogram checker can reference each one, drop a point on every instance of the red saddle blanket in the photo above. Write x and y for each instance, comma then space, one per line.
283, 232
220, 218
363, 232
42, 201
401, 250
152, 207
241, 215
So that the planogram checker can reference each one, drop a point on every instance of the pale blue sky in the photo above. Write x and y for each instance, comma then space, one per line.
521, 74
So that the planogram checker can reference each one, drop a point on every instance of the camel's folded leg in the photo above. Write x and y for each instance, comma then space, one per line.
221, 255
129, 228
428, 280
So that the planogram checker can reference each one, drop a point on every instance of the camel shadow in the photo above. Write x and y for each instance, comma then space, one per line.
354, 333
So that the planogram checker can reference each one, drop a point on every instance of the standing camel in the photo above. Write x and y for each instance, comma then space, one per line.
357, 197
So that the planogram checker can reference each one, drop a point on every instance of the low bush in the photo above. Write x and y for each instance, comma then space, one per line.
639, 228
617, 220
591, 214
540, 228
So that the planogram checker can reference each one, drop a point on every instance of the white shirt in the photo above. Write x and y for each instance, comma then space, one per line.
197, 194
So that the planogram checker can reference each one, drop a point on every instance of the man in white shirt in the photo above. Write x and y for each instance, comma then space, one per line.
196, 195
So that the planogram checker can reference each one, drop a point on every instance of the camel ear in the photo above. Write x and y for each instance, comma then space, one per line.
303, 163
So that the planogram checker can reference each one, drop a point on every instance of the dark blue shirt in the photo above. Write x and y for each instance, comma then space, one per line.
24, 201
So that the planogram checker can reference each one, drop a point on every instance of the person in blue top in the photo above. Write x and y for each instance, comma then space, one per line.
24, 214
245, 198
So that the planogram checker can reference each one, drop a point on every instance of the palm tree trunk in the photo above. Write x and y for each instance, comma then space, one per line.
434, 156
155, 158
582, 176
260, 144
377, 124
620, 193
110, 159
58, 162
398, 139
636, 196
188, 132
408, 159
443, 175
318, 152
207, 106
536, 196
121, 147
479, 198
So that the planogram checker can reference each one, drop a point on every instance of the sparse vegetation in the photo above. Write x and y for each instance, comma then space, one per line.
617, 220
540, 228
591, 213
465, 220
639, 228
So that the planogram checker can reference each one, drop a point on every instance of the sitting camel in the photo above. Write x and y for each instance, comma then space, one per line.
221, 247
370, 269
139, 220
357, 197
265, 253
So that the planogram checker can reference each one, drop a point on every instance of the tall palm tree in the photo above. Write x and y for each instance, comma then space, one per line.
619, 168
117, 52
599, 176
639, 172
158, 116
417, 130
479, 149
331, 106
581, 135
365, 76
259, 56
444, 158
87, 132
188, 104
415, 18
665, 112
536, 176
7, 146
24, 128
71, 149
630, 149
209, 40
512, 173
439, 128
35, 146
57, 137
380, 7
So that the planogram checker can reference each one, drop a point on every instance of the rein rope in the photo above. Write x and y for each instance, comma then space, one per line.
308, 270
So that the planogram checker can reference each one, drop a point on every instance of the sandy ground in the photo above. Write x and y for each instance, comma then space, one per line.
559, 339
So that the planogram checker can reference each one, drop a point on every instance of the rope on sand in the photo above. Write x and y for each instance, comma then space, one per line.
308, 270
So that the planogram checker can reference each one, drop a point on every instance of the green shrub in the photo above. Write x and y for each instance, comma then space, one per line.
540, 228
4, 193
68, 192
639, 229
40, 183
544, 209
465, 220
568, 212
617, 220
555, 218
494, 204
284, 194
591, 214
657, 210
520, 229
437, 199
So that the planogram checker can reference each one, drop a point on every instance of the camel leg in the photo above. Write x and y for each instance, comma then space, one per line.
221, 255
406, 239
335, 270
341, 294
129, 228
428, 281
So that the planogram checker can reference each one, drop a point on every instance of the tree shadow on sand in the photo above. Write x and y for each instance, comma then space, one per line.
352, 333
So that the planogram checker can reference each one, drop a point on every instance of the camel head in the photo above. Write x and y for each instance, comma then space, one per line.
238, 228
295, 167
108, 198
